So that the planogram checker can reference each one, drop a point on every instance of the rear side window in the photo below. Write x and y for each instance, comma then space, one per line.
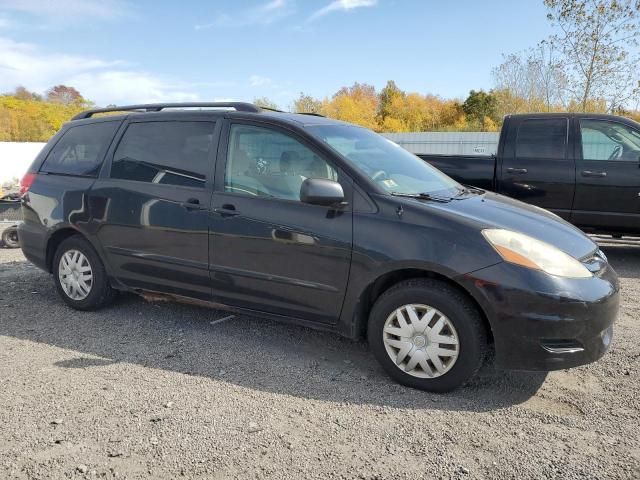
167, 153
542, 139
81, 150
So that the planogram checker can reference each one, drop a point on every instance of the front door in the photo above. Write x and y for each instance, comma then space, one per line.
608, 177
537, 167
269, 251
152, 209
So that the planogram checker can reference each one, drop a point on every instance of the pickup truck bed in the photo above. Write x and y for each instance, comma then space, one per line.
476, 170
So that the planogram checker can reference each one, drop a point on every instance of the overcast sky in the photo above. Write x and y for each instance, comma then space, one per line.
119, 51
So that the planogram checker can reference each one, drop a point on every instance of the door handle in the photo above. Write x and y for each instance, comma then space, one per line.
516, 170
591, 173
227, 210
193, 204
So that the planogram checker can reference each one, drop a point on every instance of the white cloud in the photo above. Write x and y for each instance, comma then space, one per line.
103, 82
68, 9
341, 5
259, 81
25, 64
264, 14
121, 87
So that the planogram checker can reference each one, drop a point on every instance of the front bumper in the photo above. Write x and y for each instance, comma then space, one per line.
543, 322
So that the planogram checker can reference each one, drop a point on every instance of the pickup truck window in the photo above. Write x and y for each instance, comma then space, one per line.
385, 162
544, 138
604, 140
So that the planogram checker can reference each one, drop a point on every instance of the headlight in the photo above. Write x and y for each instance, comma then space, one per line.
528, 252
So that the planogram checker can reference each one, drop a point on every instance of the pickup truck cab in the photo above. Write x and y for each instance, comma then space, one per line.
583, 167
304, 219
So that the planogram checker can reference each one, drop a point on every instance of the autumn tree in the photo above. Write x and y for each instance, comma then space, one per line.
64, 95
356, 104
27, 117
23, 94
306, 104
596, 38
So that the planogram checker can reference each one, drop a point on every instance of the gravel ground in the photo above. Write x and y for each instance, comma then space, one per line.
144, 390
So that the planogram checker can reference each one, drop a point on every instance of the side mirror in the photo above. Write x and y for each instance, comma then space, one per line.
320, 191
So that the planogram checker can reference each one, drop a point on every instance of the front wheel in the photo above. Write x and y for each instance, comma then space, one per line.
79, 275
427, 335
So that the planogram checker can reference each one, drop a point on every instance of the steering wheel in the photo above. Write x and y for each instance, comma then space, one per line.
616, 154
379, 175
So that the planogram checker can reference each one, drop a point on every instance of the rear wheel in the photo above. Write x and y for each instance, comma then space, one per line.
427, 335
79, 274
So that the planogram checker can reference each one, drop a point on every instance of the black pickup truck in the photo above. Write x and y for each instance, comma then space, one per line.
583, 167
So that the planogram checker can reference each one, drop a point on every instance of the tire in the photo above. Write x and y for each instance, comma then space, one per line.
10, 237
393, 341
99, 292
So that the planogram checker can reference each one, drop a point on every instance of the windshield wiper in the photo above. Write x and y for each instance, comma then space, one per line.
423, 196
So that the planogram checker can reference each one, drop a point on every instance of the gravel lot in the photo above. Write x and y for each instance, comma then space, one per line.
144, 390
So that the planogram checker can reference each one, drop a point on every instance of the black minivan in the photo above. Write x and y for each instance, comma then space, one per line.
300, 218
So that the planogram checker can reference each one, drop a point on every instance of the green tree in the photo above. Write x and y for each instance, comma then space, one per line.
388, 95
480, 106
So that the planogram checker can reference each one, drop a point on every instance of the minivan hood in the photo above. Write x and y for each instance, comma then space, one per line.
491, 210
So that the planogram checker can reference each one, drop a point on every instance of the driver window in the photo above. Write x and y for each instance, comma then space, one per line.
265, 162
603, 140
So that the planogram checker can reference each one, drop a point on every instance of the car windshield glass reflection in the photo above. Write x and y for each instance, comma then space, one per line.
386, 163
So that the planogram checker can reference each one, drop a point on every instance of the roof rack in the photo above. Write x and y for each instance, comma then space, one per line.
157, 107
313, 114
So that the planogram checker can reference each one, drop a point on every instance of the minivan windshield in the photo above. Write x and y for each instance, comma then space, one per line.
386, 163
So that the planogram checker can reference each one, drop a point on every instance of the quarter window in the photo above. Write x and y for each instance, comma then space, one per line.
264, 162
542, 139
602, 140
81, 149
167, 153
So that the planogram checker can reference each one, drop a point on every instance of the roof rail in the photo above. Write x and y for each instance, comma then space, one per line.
313, 114
157, 107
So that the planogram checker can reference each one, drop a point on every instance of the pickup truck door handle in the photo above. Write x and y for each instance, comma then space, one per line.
591, 173
227, 210
193, 204
516, 170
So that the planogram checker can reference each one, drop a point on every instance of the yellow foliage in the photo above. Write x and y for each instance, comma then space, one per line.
357, 104
27, 120
490, 126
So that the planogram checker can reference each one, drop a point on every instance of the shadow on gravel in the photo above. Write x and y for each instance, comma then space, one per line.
248, 352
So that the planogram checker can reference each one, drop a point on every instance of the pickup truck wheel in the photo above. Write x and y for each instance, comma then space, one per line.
10, 237
427, 335
79, 275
